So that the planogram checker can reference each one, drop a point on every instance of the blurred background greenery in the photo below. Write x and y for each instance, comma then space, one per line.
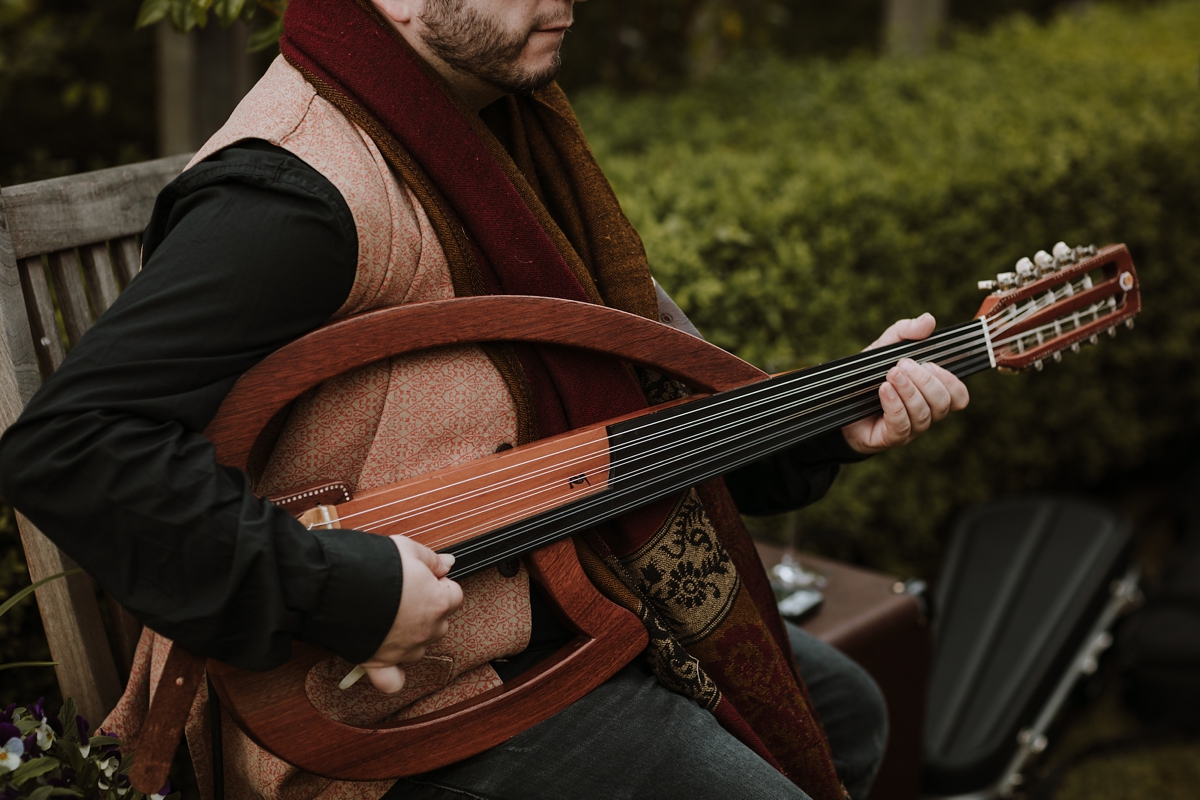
802, 173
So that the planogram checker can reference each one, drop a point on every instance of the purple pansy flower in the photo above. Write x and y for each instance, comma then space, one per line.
65, 781
37, 710
31, 746
85, 744
163, 792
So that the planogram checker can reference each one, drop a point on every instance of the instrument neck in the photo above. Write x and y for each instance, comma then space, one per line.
666, 451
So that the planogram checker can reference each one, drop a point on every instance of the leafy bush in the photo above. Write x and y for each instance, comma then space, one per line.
795, 210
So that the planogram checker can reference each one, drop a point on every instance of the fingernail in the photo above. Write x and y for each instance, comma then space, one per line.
352, 677
450, 557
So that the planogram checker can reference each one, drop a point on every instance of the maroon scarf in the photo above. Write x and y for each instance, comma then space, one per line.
538, 218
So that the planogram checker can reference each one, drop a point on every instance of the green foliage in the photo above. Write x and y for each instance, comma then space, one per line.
47, 756
184, 15
76, 87
796, 210
21, 635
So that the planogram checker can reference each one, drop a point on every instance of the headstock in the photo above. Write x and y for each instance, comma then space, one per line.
1057, 301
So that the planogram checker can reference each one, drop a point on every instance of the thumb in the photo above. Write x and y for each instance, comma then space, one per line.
389, 679
918, 328
438, 564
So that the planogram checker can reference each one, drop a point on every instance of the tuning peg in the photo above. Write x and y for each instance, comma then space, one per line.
1044, 262
1129, 324
1093, 339
1038, 365
1063, 254
987, 286
1007, 280
1112, 332
1024, 270
1075, 347
1057, 357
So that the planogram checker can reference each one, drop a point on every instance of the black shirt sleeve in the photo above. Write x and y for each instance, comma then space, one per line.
245, 252
792, 478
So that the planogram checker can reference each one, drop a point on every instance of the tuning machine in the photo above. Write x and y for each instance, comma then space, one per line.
1042, 264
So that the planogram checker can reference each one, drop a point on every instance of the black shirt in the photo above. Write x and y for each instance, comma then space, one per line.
245, 252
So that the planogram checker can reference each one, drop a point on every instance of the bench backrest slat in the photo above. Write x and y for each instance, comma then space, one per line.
67, 248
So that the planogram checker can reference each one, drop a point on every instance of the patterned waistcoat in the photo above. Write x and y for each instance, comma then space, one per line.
369, 427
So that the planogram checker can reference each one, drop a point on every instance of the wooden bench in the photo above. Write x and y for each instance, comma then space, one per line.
67, 248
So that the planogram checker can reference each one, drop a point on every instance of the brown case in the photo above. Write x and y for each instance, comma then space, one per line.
871, 618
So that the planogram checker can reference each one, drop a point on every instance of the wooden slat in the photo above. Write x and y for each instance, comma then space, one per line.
124, 631
30, 346
101, 281
14, 322
77, 210
127, 253
74, 627
40, 308
72, 296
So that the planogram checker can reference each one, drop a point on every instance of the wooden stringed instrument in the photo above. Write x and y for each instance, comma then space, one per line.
529, 500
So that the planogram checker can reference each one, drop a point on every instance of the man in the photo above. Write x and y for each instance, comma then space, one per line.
402, 151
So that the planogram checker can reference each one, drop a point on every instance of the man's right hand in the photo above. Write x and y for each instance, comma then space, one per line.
426, 602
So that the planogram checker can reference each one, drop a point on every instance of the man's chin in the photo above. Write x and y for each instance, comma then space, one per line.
527, 80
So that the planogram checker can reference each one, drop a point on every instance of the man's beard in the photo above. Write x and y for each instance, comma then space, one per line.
477, 46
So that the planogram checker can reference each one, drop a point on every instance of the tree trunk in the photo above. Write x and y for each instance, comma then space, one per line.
201, 78
911, 27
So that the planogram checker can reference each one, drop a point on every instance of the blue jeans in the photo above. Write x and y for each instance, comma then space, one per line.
631, 738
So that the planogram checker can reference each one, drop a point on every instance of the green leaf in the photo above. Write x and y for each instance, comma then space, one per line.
228, 11
151, 12
264, 38
44, 792
70, 751
33, 768
67, 714
28, 590
100, 741
29, 664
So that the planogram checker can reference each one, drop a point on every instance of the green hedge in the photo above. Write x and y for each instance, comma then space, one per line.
795, 210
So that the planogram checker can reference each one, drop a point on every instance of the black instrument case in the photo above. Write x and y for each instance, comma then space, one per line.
1026, 595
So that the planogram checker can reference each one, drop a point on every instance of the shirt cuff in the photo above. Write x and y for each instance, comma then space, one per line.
361, 595
831, 447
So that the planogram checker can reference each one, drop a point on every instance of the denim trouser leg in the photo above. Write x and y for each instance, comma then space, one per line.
851, 708
631, 738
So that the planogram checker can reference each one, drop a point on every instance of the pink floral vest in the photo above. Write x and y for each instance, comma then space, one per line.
369, 427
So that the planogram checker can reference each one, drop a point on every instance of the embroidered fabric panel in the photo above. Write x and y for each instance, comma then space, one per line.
686, 573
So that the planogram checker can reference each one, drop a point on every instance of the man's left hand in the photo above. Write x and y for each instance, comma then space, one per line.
914, 396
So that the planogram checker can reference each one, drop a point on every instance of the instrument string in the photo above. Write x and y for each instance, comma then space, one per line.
745, 449
776, 402
1002, 321
710, 432
1012, 316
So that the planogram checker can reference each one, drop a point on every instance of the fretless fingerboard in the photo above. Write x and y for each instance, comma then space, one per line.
663, 452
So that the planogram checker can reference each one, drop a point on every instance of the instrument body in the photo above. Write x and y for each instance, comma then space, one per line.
565, 483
